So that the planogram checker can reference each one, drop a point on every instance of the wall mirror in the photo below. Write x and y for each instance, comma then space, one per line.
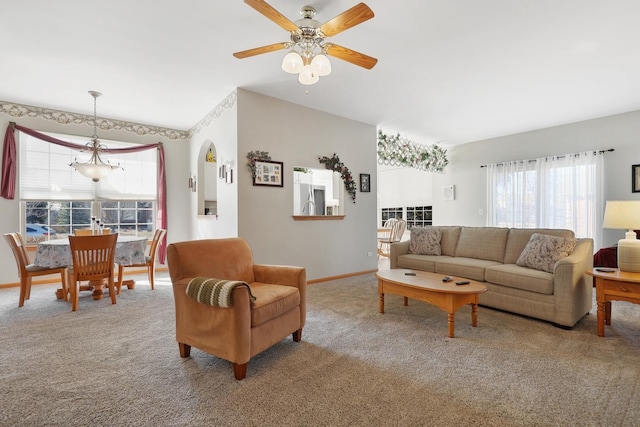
317, 192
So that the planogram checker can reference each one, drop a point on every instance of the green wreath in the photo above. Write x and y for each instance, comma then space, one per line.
333, 163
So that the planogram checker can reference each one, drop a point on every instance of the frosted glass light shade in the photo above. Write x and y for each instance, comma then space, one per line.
307, 76
320, 65
292, 63
95, 171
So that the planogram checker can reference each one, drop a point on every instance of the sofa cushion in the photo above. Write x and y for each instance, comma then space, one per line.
420, 262
514, 276
482, 243
471, 268
543, 251
449, 239
272, 301
425, 241
519, 237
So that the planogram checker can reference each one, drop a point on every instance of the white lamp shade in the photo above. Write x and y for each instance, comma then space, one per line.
307, 76
624, 214
320, 65
93, 170
292, 63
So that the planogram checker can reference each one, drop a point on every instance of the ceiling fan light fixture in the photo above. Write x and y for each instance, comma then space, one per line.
307, 76
321, 65
292, 63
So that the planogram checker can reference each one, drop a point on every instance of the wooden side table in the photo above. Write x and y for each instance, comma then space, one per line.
613, 285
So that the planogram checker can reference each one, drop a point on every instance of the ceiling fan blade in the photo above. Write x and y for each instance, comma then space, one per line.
268, 11
347, 19
350, 55
260, 50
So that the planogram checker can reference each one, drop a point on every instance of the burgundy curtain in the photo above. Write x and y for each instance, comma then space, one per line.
8, 186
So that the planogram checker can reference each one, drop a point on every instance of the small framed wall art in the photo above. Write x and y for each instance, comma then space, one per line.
268, 173
635, 178
365, 183
448, 192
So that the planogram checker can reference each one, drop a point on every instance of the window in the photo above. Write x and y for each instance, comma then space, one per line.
418, 216
554, 192
388, 213
56, 199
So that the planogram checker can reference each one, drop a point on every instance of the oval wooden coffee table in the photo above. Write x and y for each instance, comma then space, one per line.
429, 287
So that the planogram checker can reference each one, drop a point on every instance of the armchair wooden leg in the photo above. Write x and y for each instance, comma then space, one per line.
185, 349
297, 335
240, 370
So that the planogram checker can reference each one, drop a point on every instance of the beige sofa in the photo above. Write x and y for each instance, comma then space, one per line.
489, 255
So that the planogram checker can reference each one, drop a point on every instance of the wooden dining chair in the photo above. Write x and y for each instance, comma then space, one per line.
395, 235
150, 260
89, 232
93, 260
27, 271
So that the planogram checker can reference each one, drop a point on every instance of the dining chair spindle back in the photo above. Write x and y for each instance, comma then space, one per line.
93, 260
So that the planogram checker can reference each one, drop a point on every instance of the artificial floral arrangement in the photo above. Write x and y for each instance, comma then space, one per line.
333, 163
398, 151
256, 155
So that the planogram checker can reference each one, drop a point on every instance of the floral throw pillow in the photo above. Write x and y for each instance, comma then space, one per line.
425, 241
543, 251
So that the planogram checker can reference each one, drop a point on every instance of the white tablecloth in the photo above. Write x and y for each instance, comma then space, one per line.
57, 253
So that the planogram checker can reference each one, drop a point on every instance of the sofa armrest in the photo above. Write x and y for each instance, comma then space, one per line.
574, 267
287, 276
572, 287
280, 275
397, 249
195, 322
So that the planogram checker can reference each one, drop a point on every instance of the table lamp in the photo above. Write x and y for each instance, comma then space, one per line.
625, 214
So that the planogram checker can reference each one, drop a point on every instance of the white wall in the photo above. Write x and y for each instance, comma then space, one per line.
176, 157
620, 132
222, 131
297, 135
402, 187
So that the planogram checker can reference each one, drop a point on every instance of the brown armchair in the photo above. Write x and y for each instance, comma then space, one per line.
246, 328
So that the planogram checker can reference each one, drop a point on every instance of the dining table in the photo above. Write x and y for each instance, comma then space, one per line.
130, 250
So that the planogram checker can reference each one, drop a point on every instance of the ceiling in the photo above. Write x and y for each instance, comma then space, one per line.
449, 71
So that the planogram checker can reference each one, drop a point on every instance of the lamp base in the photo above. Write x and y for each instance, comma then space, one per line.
629, 255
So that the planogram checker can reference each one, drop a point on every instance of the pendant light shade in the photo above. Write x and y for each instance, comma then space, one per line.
95, 168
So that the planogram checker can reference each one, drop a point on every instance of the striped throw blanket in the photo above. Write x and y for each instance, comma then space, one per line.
214, 292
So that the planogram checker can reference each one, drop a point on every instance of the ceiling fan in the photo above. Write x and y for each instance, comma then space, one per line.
308, 49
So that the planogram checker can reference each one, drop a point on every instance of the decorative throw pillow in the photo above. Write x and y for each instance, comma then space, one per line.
425, 241
543, 250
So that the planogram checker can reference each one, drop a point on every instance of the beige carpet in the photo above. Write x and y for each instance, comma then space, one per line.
119, 365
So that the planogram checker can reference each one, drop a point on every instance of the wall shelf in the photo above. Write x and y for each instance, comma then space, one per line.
318, 217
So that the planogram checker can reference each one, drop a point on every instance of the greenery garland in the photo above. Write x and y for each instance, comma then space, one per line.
398, 151
256, 155
333, 163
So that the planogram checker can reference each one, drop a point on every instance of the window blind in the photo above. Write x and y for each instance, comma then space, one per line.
45, 173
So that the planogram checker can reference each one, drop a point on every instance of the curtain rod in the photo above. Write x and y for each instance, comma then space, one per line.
534, 160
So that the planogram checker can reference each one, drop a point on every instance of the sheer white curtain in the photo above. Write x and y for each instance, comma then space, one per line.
550, 192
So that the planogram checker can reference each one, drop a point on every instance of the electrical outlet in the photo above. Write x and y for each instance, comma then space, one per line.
480, 211
369, 253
